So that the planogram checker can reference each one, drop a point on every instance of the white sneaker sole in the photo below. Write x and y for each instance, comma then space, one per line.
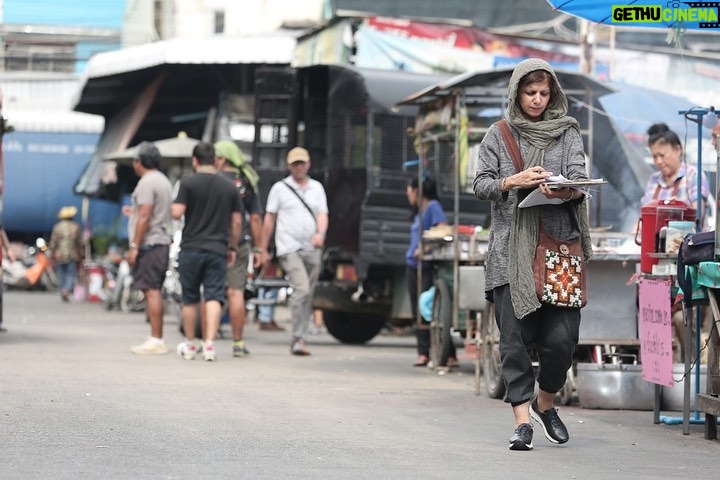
521, 446
142, 351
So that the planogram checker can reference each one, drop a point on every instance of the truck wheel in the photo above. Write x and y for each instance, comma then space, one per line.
491, 354
352, 328
441, 324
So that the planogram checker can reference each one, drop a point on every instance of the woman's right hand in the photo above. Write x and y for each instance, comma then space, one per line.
530, 178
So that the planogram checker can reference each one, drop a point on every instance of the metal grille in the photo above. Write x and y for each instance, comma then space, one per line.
382, 144
440, 165
375, 142
273, 92
39, 58
394, 156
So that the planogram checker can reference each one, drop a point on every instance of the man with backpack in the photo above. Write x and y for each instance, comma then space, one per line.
230, 163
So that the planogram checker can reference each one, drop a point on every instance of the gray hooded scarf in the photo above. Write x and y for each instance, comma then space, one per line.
524, 232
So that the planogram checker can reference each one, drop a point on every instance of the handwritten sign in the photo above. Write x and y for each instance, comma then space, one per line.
655, 329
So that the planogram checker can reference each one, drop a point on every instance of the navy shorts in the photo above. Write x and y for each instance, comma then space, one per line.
202, 267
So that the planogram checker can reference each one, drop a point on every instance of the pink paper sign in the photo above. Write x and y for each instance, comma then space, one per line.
655, 329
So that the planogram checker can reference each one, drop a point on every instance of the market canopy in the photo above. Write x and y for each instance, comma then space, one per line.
484, 82
151, 91
176, 149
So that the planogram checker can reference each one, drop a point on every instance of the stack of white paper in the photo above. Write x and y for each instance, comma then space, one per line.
536, 197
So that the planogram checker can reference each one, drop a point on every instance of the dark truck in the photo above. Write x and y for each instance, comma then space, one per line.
363, 151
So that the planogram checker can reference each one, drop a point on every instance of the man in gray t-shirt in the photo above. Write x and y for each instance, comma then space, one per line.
149, 236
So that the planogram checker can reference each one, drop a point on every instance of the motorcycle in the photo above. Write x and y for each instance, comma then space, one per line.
33, 271
118, 290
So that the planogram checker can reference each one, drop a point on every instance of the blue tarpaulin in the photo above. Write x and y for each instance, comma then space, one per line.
634, 109
40, 170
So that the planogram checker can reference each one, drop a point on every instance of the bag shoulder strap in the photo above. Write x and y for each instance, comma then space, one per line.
301, 200
511, 145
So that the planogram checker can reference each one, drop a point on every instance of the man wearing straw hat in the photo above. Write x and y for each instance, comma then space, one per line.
67, 247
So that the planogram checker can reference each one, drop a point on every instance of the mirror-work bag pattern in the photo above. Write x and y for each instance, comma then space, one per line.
559, 272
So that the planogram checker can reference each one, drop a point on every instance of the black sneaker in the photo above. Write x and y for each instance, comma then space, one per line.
522, 438
553, 427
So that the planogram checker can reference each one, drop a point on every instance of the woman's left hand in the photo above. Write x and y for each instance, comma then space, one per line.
561, 193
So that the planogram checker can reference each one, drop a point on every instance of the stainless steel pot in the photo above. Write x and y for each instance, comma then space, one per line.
614, 386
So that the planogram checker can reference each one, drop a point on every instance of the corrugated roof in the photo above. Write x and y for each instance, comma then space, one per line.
60, 121
261, 49
40, 102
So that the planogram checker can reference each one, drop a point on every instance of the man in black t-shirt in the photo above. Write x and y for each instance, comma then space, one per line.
213, 222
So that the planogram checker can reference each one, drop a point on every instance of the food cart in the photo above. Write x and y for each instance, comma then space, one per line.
453, 117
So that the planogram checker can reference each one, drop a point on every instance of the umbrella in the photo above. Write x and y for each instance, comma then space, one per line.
173, 150
673, 14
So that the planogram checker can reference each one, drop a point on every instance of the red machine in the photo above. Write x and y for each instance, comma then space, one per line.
654, 216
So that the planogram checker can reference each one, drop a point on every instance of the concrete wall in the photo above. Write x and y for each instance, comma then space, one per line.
196, 18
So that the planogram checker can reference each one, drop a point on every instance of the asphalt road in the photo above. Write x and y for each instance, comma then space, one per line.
76, 404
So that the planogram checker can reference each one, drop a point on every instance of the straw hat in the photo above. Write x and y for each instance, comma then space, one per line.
67, 212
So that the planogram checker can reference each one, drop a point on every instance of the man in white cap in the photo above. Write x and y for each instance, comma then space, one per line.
298, 205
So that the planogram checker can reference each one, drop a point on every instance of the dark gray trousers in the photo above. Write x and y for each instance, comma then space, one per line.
553, 332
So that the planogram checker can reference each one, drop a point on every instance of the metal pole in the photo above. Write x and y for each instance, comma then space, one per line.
421, 247
701, 215
456, 209
3, 129
699, 113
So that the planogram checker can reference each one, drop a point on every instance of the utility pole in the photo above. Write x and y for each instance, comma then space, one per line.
587, 48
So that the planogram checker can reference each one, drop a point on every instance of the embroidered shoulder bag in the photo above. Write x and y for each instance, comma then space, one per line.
559, 266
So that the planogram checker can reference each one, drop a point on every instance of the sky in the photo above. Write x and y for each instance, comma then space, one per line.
94, 13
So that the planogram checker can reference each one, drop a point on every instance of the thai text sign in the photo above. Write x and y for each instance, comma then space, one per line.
655, 330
